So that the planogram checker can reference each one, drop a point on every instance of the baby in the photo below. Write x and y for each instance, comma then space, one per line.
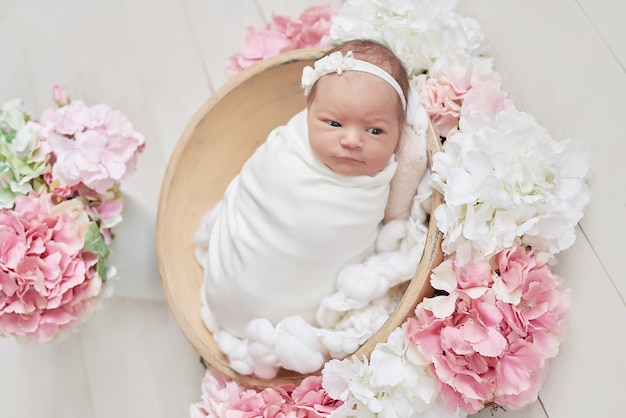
312, 198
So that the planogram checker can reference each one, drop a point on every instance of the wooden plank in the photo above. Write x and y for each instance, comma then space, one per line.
159, 50
585, 379
41, 381
6, 7
138, 362
41, 55
219, 29
15, 65
607, 16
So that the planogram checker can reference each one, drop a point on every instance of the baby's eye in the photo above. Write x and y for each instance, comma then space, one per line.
374, 131
333, 123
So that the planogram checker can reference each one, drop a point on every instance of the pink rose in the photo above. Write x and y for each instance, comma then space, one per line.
94, 146
46, 279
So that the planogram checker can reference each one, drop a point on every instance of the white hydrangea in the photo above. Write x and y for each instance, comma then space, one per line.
418, 31
504, 177
393, 384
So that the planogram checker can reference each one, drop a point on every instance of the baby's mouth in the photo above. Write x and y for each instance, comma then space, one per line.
350, 158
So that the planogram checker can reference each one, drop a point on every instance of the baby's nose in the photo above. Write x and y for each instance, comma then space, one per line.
351, 139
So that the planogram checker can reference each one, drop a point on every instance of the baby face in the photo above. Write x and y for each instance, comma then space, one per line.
354, 123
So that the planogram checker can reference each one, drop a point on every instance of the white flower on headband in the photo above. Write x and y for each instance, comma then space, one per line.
337, 63
333, 63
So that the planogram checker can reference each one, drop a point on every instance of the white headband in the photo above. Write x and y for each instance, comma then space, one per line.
337, 63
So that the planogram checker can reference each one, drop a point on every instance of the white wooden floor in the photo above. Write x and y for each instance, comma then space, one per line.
157, 60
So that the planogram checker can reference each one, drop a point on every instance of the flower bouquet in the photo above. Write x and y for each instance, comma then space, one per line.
60, 178
512, 198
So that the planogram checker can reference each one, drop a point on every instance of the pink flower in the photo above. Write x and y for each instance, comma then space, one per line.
46, 279
95, 146
59, 95
259, 44
283, 34
457, 84
311, 400
315, 23
222, 397
494, 346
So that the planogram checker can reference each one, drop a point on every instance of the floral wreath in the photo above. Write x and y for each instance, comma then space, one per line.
60, 178
512, 198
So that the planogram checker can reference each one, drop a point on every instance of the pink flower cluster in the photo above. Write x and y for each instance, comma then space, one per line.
95, 146
54, 236
45, 275
456, 84
508, 318
93, 150
309, 30
222, 397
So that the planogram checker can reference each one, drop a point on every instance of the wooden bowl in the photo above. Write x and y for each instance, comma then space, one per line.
217, 141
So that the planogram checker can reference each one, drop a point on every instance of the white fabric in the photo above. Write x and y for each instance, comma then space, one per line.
287, 226
338, 63
364, 297
346, 319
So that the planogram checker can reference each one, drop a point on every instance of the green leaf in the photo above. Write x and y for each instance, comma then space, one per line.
94, 242
101, 269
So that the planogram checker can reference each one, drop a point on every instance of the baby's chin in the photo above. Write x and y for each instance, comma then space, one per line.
352, 168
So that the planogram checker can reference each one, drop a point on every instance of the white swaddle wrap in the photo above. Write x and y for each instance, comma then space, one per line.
287, 226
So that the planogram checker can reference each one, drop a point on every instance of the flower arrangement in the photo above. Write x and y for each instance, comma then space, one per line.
512, 198
281, 34
223, 397
60, 178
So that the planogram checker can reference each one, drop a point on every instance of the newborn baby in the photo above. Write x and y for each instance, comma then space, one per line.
311, 199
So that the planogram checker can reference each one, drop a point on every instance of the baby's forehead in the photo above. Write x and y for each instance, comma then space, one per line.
355, 83
355, 90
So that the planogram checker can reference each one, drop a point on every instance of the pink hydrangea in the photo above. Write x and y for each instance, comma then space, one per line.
315, 26
457, 84
95, 146
224, 397
311, 400
46, 279
495, 345
282, 34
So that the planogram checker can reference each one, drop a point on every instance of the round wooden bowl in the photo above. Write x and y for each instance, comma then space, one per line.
221, 136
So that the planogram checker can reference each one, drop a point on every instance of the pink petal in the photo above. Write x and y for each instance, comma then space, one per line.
493, 345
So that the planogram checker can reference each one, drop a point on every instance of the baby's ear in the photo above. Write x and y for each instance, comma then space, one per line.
412, 161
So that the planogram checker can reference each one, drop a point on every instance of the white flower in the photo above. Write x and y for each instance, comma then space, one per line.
418, 31
13, 114
504, 177
394, 383
444, 278
26, 142
333, 63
